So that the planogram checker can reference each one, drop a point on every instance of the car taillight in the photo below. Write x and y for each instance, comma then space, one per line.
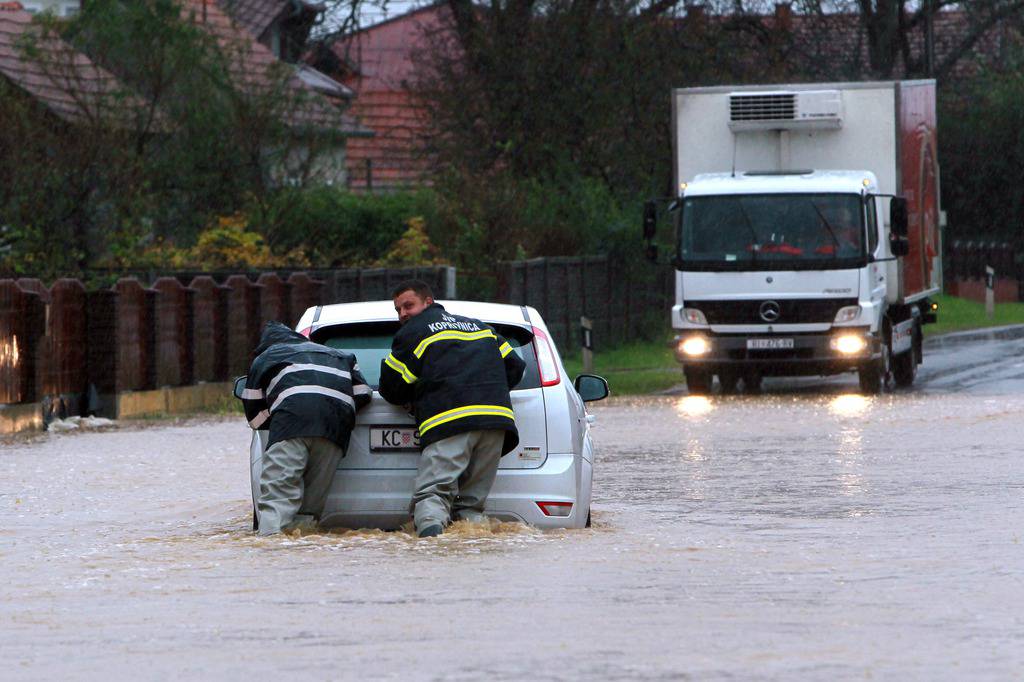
545, 359
306, 332
555, 508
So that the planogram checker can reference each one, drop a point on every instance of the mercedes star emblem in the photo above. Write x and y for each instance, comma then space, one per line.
770, 311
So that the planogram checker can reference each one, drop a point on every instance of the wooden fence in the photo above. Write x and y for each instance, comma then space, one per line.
625, 300
73, 349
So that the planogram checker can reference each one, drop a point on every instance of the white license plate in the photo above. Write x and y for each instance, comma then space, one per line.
394, 439
769, 344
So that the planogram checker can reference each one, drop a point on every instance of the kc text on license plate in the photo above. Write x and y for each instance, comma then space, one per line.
769, 344
394, 439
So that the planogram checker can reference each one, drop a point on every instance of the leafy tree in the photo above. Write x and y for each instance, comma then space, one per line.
983, 157
199, 126
539, 104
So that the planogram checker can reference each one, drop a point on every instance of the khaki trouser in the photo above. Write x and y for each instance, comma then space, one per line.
455, 476
297, 475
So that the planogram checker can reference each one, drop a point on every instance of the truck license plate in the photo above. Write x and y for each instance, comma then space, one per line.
769, 344
394, 439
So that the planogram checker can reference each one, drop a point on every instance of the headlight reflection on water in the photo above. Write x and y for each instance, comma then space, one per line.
694, 406
849, 405
9, 355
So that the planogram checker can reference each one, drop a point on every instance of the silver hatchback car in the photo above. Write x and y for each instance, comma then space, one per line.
545, 481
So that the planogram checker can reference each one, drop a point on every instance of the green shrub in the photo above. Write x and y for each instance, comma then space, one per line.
982, 154
336, 227
500, 217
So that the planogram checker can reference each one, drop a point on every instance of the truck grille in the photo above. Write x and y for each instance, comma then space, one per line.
793, 311
779, 106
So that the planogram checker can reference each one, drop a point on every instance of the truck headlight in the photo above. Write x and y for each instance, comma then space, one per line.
694, 316
848, 344
694, 346
847, 314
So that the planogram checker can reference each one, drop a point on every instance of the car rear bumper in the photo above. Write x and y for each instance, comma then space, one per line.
380, 498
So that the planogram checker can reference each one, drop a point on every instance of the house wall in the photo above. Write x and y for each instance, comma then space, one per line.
385, 56
291, 166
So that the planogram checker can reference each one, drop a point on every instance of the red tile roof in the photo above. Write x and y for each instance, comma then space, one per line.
256, 16
64, 80
255, 70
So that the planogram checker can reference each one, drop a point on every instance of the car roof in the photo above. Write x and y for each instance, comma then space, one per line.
384, 311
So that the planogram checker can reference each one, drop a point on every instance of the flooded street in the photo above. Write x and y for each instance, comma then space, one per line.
804, 533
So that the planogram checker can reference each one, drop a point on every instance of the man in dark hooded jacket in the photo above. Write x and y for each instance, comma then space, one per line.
307, 395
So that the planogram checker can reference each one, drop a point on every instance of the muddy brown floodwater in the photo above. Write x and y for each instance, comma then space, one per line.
792, 535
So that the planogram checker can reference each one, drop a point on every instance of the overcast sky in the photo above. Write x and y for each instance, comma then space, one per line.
373, 15
395, 8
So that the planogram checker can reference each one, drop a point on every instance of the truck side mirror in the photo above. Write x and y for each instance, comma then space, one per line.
898, 216
650, 219
900, 246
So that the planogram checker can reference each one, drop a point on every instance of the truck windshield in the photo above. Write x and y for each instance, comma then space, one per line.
772, 231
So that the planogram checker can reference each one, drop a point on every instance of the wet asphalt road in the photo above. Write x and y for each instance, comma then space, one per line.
805, 533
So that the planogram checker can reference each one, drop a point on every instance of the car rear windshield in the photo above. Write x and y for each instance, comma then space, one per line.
370, 342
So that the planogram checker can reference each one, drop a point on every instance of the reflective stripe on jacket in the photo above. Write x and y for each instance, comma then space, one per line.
300, 389
456, 372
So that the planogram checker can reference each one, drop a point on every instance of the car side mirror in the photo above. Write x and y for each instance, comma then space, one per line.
900, 246
591, 387
239, 387
898, 216
650, 220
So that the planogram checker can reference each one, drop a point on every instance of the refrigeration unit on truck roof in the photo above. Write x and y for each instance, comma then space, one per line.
785, 110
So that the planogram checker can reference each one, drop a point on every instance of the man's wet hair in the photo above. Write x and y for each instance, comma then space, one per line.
417, 286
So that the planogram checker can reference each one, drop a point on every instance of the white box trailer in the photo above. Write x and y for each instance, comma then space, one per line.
792, 254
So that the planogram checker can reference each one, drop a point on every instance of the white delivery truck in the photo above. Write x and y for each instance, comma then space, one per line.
806, 231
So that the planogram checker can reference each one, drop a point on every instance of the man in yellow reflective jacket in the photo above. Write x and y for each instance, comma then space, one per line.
456, 372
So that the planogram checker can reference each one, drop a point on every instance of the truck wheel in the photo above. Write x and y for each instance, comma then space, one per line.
728, 381
752, 382
874, 377
698, 381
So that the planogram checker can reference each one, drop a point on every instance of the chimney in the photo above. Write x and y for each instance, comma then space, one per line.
784, 15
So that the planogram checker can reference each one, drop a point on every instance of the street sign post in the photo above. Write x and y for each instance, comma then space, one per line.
587, 341
990, 291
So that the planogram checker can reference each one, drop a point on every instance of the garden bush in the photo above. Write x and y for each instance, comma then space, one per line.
335, 227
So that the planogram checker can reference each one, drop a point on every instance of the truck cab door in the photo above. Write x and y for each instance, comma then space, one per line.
877, 270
